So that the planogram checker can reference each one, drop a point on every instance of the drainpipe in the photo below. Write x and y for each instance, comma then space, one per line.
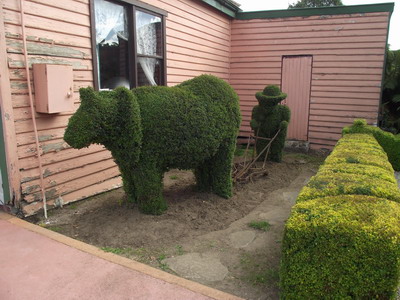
28, 78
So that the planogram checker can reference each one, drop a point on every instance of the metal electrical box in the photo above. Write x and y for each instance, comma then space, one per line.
53, 88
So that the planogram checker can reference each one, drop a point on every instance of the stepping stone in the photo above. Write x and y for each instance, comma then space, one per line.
241, 239
195, 266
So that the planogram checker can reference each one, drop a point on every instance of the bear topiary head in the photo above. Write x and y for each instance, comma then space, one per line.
270, 96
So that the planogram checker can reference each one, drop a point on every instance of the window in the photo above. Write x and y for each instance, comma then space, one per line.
128, 44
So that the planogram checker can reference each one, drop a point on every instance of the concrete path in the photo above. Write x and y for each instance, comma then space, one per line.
210, 265
36, 263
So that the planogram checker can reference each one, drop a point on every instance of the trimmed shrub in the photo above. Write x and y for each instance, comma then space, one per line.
355, 157
342, 247
389, 142
360, 149
355, 168
342, 240
149, 130
332, 184
267, 118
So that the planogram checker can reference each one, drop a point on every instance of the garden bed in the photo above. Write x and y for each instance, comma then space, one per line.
214, 233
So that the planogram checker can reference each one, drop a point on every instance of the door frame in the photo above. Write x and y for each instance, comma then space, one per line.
309, 102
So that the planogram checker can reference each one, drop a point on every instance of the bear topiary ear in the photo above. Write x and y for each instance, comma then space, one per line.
123, 94
87, 94
126, 100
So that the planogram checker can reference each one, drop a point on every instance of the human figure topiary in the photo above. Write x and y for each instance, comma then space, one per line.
267, 118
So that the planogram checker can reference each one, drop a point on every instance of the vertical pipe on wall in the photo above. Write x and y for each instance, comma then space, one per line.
28, 78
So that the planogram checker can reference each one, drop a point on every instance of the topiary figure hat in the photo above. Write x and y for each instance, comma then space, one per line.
270, 96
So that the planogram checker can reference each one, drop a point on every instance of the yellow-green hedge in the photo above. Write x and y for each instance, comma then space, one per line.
357, 166
325, 184
344, 241
389, 142
360, 169
359, 149
341, 247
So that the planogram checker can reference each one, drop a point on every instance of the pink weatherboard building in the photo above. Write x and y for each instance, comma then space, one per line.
329, 61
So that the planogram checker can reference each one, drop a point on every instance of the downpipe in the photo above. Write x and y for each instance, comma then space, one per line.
28, 78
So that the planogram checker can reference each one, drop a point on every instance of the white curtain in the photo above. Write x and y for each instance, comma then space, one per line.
146, 38
149, 67
111, 22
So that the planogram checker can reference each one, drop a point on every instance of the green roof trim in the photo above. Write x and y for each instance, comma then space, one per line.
305, 12
226, 6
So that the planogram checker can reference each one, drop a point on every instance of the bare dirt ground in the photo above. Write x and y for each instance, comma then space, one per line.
201, 236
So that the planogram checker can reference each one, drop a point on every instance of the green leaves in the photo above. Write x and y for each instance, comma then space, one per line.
315, 3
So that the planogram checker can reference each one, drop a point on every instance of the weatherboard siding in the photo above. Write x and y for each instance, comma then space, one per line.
348, 54
58, 32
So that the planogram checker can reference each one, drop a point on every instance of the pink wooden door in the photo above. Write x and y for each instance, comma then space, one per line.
296, 82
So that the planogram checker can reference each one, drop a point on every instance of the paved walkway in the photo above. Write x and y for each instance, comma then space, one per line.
36, 263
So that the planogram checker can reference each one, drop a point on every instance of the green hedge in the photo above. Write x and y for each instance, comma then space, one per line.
389, 142
342, 247
344, 241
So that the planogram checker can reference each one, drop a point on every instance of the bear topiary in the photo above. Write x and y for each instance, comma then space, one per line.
267, 118
149, 130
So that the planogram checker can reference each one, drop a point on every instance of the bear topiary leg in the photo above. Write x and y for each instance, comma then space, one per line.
275, 152
148, 189
221, 165
128, 185
203, 177
215, 174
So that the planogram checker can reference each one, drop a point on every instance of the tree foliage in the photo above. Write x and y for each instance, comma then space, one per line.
315, 3
391, 93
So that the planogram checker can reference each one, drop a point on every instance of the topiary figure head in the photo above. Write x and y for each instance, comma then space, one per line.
110, 118
270, 96
360, 122
82, 129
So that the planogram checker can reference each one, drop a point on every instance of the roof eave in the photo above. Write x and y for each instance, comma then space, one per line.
305, 12
228, 7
